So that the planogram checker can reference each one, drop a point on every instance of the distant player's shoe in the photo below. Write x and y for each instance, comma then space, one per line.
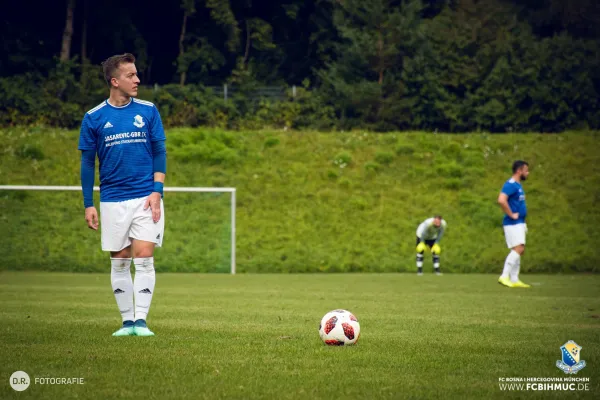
419, 271
126, 329
505, 281
141, 329
438, 272
520, 284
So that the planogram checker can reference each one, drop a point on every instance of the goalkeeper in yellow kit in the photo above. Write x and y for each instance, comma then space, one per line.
429, 234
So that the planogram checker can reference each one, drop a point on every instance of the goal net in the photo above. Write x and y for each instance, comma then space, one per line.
43, 228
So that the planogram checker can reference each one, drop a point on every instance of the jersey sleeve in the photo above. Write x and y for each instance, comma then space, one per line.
509, 189
87, 134
157, 132
421, 229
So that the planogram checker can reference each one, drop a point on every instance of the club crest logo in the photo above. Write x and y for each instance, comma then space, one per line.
138, 121
570, 363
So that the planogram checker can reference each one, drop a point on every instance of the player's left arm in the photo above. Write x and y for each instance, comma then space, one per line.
159, 164
436, 249
440, 233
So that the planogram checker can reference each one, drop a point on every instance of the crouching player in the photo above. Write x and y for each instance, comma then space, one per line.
429, 234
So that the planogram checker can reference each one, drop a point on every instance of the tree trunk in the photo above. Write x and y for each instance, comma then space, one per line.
381, 60
84, 32
248, 40
84, 58
65, 53
183, 72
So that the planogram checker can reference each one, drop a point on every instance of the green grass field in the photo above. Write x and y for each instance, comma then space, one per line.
255, 336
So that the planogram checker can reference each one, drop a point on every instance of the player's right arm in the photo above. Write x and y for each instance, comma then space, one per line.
441, 232
503, 202
88, 160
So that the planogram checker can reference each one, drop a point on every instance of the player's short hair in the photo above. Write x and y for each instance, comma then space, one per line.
437, 216
518, 164
111, 65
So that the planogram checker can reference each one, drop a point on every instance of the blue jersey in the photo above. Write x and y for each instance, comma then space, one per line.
121, 137
516, 202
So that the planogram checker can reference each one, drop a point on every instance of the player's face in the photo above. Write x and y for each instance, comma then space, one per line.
524, 172
437, 222
127, 80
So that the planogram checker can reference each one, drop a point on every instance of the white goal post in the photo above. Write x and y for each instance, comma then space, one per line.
166, 189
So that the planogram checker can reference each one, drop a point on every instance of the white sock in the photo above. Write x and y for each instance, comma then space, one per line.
419, 260
122, 285
509, 263
143, 285
514, 273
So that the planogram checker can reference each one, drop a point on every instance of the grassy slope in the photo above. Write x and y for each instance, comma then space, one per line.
300, 209
255, 336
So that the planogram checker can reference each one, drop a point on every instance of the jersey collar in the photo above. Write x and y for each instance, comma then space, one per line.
123, 106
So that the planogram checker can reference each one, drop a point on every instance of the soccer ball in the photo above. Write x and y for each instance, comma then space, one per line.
339, 328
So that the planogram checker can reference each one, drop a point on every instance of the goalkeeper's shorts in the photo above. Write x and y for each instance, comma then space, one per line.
429, 243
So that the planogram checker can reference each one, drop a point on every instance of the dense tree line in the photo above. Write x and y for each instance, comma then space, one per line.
451, 65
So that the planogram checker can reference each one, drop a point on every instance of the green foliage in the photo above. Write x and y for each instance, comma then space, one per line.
332, 174
200, 58
453, 183
404, 149
498, 76
343, 158
384, 157
450, 170
381, 65
376, 36
271, 142
358, 203
57, 100
30, 151
211, 147
372, 167
221, 13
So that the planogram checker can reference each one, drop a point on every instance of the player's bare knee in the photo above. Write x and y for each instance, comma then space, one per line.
124, 253
143, 249
520, 249
143, 253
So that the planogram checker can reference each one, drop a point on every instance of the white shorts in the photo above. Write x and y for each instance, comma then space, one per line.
515, 234
125, 220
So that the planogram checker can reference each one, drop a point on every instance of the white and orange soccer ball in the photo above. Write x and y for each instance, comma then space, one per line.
339, 328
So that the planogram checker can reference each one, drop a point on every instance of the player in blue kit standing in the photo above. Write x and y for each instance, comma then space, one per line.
128, 137
512, 201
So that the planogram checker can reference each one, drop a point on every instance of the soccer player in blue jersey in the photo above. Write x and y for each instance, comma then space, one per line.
512, 201
128, 137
